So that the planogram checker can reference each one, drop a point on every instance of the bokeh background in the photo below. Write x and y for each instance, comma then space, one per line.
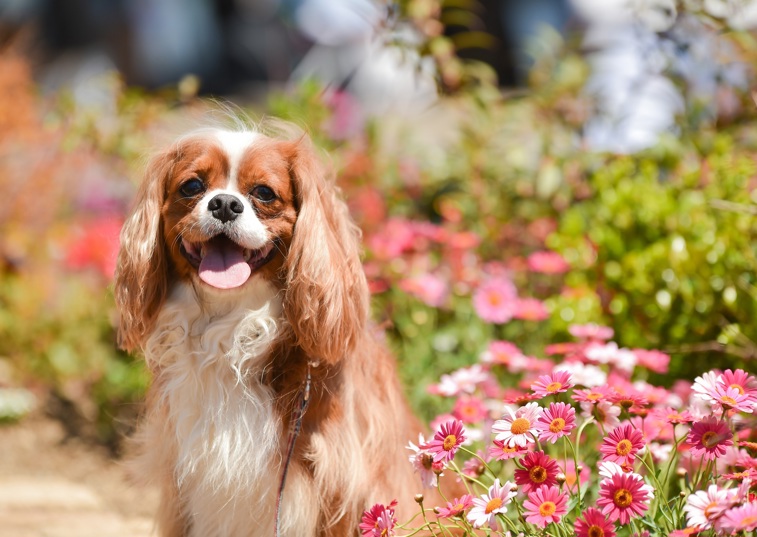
579, 161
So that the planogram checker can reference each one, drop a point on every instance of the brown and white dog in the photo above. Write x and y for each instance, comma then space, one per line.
239, 273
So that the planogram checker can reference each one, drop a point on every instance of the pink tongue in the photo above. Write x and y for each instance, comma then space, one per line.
224, 266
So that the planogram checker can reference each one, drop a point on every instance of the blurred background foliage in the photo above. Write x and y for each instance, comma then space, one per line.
538, 185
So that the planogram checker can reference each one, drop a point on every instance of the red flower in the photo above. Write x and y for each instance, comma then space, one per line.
538, 470
594, 524
379, 520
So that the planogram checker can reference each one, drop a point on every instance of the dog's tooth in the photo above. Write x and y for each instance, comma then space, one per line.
247, 254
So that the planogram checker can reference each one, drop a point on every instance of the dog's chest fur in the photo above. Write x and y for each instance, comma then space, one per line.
212, 409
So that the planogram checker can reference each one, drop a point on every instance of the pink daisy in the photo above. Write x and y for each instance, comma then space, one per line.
547, 262
433, 290
556, 421
704, 507
530, 309
709, 438
623, 496
745, 383
622, 444
591, 331
594, 524
653, 360
538, 470
519, 428
456, 507
470, 409
501, 353
494, 300
501, 451
742, 518
446, 440
488, 506
557, 382
379, 521
423, 463
732, 397
593, 395
604, 412
545, 505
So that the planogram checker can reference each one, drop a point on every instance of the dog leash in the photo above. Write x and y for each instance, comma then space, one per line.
297, 414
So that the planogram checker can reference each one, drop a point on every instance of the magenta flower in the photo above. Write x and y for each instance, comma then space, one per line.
545, 505
709, 438
558, 420
622, 444
494, 300
538, 470
623, 496
594, 524
456, 507
379, 521
446, 440
429, 288
557, 382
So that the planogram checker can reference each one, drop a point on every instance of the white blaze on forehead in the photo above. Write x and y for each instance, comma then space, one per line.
235, 143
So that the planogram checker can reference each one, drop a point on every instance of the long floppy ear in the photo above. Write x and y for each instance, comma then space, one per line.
327, 297
141, 279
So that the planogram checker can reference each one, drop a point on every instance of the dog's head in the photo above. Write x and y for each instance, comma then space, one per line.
220, 210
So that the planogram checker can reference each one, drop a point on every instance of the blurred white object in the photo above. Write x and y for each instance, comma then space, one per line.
380, 67
635, 47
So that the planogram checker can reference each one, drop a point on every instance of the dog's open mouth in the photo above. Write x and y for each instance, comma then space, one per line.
224, 264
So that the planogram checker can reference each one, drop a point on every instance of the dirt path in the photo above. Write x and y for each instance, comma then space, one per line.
52, 488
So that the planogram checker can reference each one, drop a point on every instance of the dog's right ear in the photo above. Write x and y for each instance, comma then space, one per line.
141, 279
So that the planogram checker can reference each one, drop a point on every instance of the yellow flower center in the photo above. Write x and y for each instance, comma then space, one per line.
449, 442
626, 403
557, 425
623, 448
596, 531
520, 426
748, 521
547, 509
726, 400
494, 503
537, 474
738, 388
710, 439
554, 386
495, 299
709, 508
594, 396
622, 498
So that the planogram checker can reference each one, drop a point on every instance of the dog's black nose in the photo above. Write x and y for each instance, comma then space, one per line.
225, 207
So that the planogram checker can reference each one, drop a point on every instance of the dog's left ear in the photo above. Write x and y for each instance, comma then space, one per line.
327, 298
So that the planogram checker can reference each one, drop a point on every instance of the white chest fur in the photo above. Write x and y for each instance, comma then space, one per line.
225, 436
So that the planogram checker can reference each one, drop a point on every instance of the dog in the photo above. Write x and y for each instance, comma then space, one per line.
239, 278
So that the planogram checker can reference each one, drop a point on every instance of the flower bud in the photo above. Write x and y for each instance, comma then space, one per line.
560, 478
419, 498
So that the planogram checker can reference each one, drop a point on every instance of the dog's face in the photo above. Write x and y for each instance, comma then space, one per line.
229, 210
220, 210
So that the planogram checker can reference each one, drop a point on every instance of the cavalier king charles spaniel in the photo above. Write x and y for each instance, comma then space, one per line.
239, 278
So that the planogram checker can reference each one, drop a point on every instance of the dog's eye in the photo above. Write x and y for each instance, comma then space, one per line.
192, 188
263, 193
